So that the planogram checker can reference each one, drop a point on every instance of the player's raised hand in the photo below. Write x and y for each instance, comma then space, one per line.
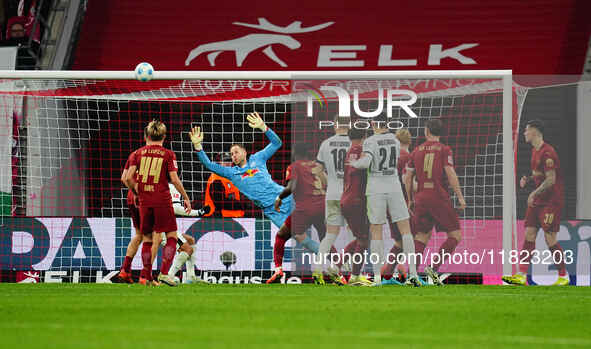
255, 121
523, 182
196, 137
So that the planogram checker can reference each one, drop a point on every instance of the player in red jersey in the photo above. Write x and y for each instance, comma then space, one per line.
354, 208
431, 203
155, 164
134, 243
390, 263
544, 204
307, 182
136, 240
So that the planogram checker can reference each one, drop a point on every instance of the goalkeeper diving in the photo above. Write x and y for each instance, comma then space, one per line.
251, 176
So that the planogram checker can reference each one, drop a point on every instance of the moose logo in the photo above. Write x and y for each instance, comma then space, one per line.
243, 46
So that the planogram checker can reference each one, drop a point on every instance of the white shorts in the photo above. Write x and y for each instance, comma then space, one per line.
380, 204
332, 212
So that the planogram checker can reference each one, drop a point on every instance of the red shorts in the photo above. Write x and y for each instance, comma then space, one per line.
433, 211
546, 217
134, 212
299, 221
157, 219
356, 217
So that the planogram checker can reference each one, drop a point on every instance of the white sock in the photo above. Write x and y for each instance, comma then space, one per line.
377, 248
324, 249
408, 247
179, 260
190, 267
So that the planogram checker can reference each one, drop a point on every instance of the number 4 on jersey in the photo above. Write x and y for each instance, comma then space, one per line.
428, 164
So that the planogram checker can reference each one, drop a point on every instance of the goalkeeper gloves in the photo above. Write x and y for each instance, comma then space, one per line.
196, 137
255, 121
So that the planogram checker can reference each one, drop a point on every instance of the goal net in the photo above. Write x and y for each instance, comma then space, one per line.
64, 208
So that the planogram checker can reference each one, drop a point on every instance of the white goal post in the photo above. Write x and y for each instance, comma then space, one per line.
505, 77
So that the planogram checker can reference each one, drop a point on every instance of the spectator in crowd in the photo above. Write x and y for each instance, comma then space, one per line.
16, 35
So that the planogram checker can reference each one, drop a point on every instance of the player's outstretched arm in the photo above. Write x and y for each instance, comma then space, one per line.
200, 212
197, 138
363, 162
291, 186
179, 210
255, 121
174, 179
452, 177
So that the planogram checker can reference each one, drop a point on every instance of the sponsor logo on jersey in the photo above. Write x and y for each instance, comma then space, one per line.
549, 163
249, 173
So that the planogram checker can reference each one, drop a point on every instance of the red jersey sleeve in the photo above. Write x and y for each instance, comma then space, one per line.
448, 158
288, 173
129, 159
133, 159
292, 172
549, 161
171, 165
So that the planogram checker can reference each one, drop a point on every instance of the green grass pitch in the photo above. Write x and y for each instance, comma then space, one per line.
297, 316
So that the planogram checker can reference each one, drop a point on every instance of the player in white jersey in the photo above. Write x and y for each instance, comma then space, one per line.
177, 205
184, 241
384, 195
331, 155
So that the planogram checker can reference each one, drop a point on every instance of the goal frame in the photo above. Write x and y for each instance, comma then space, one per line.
504, 75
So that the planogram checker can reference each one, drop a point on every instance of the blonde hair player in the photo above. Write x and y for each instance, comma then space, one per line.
154, 163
